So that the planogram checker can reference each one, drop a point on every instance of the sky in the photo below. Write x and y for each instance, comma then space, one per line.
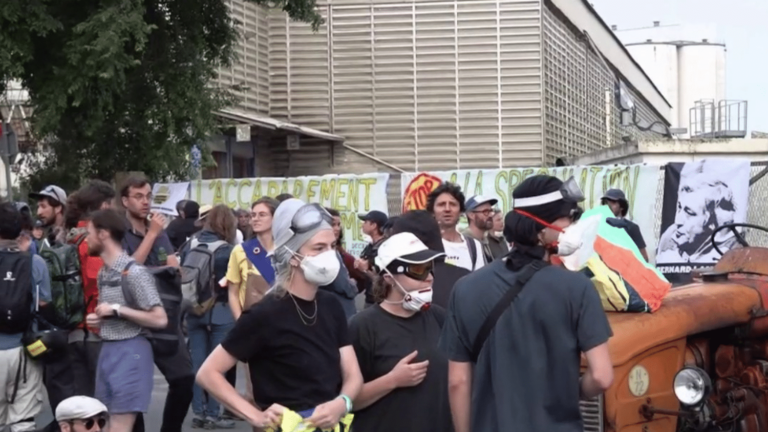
741, 24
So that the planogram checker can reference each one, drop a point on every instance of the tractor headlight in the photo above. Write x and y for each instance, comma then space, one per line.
692, 386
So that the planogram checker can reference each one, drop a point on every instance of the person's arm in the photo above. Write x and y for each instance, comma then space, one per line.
211, 378
352, 379
404, 374
637, 237
460, 394
455, 343
599, 375
155, 318
592, 333
42, 281
146, 309
233, 297
234, 279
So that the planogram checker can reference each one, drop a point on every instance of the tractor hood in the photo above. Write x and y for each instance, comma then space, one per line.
685, 311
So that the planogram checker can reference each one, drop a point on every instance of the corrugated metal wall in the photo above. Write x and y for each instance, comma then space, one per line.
576, 80
423, 85
433, 85
250, 70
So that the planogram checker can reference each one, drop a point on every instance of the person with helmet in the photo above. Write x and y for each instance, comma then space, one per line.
616, 200
396, 344
295, 340
25, 286
81, 414
516, 329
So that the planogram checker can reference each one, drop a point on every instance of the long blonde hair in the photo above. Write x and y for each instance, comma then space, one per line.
221, 221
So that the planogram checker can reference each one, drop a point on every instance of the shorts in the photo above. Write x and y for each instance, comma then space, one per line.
125, 375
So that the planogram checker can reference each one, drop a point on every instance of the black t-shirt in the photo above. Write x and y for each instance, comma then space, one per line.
381, 340
527, 376
291, 363
446, 276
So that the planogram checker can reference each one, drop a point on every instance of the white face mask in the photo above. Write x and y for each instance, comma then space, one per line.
570, 240
414, 301
321, 269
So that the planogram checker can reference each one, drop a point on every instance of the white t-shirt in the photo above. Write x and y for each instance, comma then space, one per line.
238, 237
457, 254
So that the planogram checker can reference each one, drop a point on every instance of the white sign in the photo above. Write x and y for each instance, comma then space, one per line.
349, 194
165, 196
639, 183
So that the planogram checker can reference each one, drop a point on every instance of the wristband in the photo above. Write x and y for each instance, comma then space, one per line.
347, 403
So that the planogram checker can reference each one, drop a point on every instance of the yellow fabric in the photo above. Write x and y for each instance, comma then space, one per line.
610, 286
237, 271
292, 422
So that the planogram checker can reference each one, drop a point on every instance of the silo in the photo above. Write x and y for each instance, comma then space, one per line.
659, 61
702, 78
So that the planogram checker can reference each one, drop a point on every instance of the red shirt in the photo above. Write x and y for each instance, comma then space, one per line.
90, 267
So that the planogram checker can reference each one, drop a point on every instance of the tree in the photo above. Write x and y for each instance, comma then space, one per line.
121, 85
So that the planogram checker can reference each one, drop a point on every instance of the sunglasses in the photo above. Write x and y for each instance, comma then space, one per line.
91, 422
419, 272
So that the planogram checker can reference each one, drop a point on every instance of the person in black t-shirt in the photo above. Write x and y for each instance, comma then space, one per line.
396, 345
617, 201
296, 340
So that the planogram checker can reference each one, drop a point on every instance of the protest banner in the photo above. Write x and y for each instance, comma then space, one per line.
348, 193
165, 196
699, 197
639, 183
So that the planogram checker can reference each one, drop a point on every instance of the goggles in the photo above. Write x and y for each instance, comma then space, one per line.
419, 272
307, 218
569, 191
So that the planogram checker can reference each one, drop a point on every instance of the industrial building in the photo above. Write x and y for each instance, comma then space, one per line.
413, 85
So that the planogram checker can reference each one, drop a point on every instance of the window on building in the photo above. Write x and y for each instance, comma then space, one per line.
218, 171
242, 167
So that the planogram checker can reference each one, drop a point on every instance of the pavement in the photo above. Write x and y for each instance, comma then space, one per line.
153, 419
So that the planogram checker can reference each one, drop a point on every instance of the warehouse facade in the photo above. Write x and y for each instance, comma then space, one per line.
416, 85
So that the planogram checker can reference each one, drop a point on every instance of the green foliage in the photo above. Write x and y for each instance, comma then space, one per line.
121, 85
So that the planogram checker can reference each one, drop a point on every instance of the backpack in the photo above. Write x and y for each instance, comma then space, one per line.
16, 298
68, 305
198, 284
165, 342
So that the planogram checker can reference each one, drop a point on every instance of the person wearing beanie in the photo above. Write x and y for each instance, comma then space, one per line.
538, 318
295, 340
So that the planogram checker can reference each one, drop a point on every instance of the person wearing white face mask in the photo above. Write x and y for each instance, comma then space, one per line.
295, 340
396, 345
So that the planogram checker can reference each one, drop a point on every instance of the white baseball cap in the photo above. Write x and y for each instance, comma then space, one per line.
79, 408
404, 247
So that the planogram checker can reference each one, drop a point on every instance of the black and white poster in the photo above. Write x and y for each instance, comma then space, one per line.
699, 197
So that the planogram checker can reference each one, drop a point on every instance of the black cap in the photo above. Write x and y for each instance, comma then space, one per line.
378, 217
614, 195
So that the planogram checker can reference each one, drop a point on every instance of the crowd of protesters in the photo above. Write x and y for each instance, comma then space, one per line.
103, 284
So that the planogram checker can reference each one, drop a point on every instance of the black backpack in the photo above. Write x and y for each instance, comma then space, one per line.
165, 342
16, 298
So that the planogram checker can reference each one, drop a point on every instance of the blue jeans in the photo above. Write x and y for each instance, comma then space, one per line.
206, 333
